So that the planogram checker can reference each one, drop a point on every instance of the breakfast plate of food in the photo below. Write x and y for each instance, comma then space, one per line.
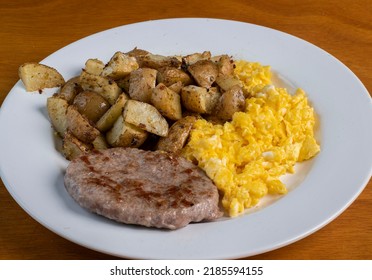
222, 141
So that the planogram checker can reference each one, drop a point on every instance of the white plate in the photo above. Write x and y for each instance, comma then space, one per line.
32, 169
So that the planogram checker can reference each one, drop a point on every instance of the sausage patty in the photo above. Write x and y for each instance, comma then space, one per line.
133, 186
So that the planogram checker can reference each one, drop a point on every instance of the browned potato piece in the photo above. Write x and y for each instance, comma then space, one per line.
195, 57
119, 66
199, 99
79, 126
177, 136
36, 76
171, 75
230, 102
123, 83
167, 102
146, 117
225, 82
73, 147
213, 99
137, 52
124, 134
94, 66
100, 143
102, 85
70, 89
91, 105
155, 61
204, 72
109, 118
141, 83
57, 111
225, 65
176, 87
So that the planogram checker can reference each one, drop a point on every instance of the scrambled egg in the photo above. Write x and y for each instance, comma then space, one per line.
247, 156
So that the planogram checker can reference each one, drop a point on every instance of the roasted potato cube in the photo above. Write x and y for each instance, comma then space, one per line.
137, 52
199, 99
230, 102
171, 75
79, 126
57, 111
225, 65
102, 85
195, 57
100, 143
36, 76
155, 61
123, 83
213, 99
141, 83
146, 117
204, 72
94, 66
109, 118
177, 135
176, 87
91, 105
225, 82
73, 147
167, 102
70, 89
119, 66
124, 134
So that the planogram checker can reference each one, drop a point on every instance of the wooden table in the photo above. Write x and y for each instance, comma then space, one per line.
33, 29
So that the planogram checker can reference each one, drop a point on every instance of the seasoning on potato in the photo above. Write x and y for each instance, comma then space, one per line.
37, 76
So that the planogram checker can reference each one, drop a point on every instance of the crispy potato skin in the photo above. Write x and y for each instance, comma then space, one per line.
199, 99
155, 61
73, 147
225, 65
230, 102
177, 135
80, 126
141, 83
204, 72
171, 75
70, 89
167, 102
225, 82
91, 105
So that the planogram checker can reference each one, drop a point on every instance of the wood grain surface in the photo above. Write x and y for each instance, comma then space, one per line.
33, 29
